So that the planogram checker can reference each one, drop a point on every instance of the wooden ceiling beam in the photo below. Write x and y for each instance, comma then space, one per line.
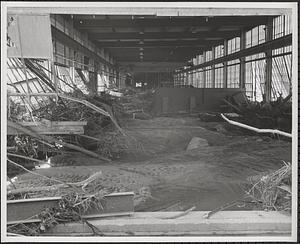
162, 35
174, 43
183, 22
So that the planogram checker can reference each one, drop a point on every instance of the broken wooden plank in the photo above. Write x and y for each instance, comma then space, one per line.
52, 127
26, 210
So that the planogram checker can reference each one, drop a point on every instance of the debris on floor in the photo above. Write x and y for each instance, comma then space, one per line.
197, 143
272, 115
273, 190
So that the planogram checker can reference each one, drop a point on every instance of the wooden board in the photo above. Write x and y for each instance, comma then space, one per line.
52, 127
25, 210
227, 223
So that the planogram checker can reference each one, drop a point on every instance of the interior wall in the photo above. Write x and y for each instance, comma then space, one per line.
172, 100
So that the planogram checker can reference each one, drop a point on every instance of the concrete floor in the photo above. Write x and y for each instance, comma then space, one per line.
166, 177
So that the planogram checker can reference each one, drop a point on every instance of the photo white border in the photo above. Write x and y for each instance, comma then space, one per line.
92, 5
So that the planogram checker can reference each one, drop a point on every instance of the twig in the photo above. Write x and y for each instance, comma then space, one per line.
90, 137
225, 206
181, 214
95, 230
256, 129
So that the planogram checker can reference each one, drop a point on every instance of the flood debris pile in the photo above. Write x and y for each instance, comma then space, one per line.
70, 207
103, 136
273, 190
136, 104
272, 115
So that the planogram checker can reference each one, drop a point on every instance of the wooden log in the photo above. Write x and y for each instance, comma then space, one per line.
53, 140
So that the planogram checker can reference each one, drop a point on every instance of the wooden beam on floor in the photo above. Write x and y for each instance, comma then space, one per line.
52, 128
25, 210
159, 224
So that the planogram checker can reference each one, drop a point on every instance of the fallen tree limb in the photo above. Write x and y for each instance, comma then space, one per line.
110, 112
86, 103
53, 140
256, 129
107, 113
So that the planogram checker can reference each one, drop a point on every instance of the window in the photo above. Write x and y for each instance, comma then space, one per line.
219, 71
255, 77
233, 45
219, 51
233, 74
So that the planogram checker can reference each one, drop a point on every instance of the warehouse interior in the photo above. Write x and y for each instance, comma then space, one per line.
139, 112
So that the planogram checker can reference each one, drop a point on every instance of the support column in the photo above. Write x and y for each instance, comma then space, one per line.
243, 59
204, 72
225, 65
268, 53
213, 69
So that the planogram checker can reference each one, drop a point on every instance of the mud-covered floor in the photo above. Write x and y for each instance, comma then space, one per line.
165, 176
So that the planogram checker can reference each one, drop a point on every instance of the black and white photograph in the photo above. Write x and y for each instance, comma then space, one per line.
149, 121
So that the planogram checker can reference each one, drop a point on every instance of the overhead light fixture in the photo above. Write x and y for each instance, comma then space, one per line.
141, 42
141, 49
80, 22
141, 33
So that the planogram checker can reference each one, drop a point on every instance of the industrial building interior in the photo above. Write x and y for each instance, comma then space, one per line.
160, 117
